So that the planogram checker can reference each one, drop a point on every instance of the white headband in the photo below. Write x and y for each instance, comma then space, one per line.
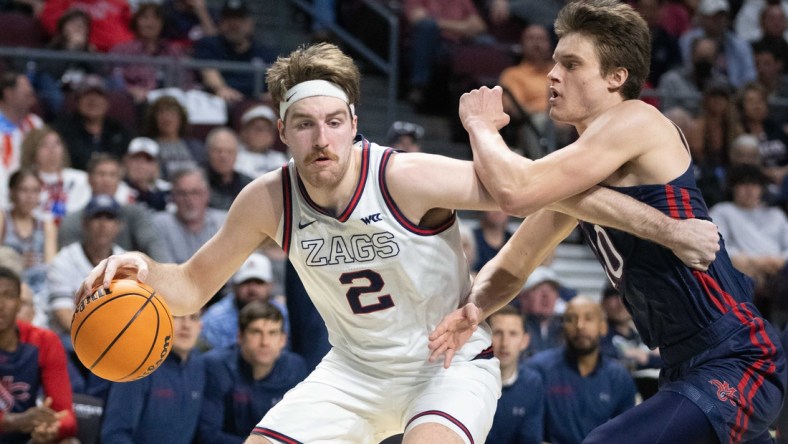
312, 88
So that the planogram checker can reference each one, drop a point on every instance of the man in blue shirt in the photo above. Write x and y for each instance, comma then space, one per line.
164, 406
520, 414
247, 379
583, 388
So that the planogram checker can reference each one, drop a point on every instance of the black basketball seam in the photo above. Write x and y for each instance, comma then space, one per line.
155, 337
123, 330
84, 320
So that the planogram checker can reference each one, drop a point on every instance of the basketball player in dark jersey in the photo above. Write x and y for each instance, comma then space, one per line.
724, 374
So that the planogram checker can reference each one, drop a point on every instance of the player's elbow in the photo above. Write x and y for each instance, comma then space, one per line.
514, 203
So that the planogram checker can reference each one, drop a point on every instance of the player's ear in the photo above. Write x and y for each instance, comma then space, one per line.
617, 77
280, 126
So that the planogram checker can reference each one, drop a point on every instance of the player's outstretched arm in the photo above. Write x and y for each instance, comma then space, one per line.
253, 217
500, 280
694, 241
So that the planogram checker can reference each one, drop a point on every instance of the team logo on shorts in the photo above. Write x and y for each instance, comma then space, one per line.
724, 391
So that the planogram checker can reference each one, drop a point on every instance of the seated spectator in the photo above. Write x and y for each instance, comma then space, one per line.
492, 232
165, 405
9, 258
147, 23
109, 24
183, 232
234, 43
225, 181
682, 86
665, 53
31, 235
435, 27
754, 18
774, 32
100, 226
166, 121
583, 388
735, 60
257, 154
33, 364
756, 236
17, 98
89, 130
773, 140
65, 189
405, 136
771, 77
254, 281
542, 305
623, 343
744, 151
142, 174
186, 21
519, 418
245, 380
137, 230
53, 77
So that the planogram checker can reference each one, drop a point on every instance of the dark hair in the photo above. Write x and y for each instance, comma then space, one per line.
19, 175
8, 80
746, 174
11, 275
609, 291
621, 38
143, 8
256, 310
98, 158
149, 125
508, 310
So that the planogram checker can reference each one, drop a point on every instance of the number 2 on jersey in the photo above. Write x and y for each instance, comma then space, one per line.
354, 293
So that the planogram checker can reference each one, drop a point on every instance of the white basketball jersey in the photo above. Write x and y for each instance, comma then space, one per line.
380, 282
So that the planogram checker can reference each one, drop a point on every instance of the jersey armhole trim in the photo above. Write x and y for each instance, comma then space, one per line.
287, 201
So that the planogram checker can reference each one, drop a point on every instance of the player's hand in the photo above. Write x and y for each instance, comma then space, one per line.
31, 418
453, 332
130, 265
698, 242
485, 105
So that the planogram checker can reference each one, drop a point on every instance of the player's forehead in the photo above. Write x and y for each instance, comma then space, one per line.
576, 46
318, 107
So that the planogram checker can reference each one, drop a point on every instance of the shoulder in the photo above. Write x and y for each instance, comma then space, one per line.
546, 359
292, 364
614, 369
41, 337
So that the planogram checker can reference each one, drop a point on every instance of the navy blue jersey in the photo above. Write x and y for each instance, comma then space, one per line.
669, 301
519, 417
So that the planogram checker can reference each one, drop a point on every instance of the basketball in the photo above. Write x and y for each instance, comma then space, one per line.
123, 333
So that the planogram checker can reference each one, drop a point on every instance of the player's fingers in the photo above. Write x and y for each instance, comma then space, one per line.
447, 358
109, 272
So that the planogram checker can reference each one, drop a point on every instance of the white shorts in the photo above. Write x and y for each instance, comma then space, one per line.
339, 403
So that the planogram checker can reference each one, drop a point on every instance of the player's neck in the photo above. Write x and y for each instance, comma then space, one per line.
587, 363
9, 339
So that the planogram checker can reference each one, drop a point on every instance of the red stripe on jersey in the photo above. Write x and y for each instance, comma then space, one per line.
273, 434
445, 415
703, 281
361, 183
672, 207
407, 224
685, 200
287, 209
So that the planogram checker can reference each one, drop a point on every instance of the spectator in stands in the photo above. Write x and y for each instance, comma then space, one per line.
191, 225
623, 342
186, 21
137, 231
754, 17
675, 16
756, 235
744, 151
225, 181
53, 77
109, 24
542, 306
583, 388
405, 136
257, 154
65, 189
435, 26
89, 130
147, 23
665, 53
30, 234
17, 98
682, 86
101, 225
526, 92
254, 281
519, 418
235, 43
774, 32
773, 140
245, 380
771, 76
492, 232
142, 174
165, 406
540, 12
735, 59
166, 121
34, 364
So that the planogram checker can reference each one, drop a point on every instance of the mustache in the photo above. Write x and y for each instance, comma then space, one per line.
320, 154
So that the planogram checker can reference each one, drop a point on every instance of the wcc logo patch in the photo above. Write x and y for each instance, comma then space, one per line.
371, 218
724, 391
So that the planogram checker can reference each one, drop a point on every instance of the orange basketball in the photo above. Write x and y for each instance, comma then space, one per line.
123, 333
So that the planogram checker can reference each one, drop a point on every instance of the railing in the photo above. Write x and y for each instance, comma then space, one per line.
389, 67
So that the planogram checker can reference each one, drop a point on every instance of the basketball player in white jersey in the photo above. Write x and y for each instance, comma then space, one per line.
376, 243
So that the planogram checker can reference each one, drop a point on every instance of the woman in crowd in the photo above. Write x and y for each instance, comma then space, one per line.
166, 122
